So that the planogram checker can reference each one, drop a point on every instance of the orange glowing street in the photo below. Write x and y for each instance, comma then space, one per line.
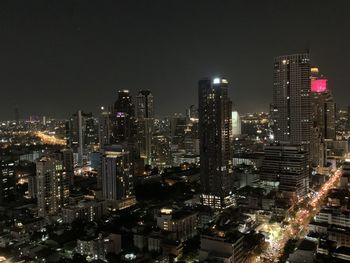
49, 139
297, 224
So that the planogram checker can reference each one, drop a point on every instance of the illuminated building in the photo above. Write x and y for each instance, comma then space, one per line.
117, 179
145, 123
124, 125
7, 180
181, 223
52, 189
84, 210
291, 111
105, 127
285, 167
81, 133
161, 152
67, 159
323, 117
215, 129
144, 104
236, 124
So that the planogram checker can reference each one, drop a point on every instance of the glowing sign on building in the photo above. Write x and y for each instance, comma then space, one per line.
318, 85
120, 114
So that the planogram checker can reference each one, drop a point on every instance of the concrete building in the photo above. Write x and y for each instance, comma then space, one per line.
84, 210
52, 186
181, 223
215, 130
221, 246
285, 167
291, 108
117, 179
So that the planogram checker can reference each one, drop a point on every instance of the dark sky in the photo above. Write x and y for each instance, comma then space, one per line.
60, 56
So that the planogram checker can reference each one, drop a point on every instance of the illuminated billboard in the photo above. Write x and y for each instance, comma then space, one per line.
318, 85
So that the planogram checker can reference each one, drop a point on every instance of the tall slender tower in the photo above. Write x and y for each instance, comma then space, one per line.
291, 108
323, 117
145, 122
215, 129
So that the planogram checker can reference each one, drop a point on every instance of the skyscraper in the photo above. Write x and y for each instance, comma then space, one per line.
81, 133
145, 123
291, 108
52, 187
117, 178
105, 127
66, 156
7, 180
323, 117
124, 125
215, 129
144, 104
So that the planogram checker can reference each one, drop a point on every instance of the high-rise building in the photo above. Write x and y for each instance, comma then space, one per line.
124, 124
215, 130
7, 180
66, 156
81, 134
145, 123
291, 108
236, 124
286, 168
117, 178
323, 107
144, 105
323, 117
52, 186
105, 127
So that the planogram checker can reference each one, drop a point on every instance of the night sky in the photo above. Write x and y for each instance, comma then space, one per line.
60, 56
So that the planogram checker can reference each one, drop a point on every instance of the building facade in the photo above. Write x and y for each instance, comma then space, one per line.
215, 128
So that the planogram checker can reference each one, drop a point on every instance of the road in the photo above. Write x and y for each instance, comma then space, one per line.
49, 139
297, 224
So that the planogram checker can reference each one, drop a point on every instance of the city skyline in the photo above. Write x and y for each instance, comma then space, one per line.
77, 52
182, 131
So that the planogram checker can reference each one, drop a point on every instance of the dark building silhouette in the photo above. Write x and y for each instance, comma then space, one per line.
215, 109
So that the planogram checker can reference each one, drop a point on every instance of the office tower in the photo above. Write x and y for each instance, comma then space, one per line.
145, 123
323, 111
66, 156
7, 180
178, 124
144, 104
236, 124
81, 134
323, 107
105, 127
52, 186
291, 109
285, 167
117, 178
124, 124
161, 151
215, 129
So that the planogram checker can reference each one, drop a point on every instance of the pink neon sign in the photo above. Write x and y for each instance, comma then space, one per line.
318, 85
